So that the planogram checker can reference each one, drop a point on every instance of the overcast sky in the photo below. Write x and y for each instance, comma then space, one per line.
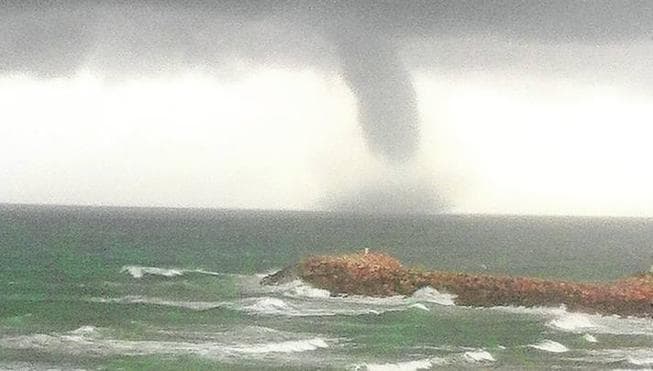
464, 106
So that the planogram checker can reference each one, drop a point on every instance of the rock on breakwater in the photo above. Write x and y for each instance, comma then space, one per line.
378, 274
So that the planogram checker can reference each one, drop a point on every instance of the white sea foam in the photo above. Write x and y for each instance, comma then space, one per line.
268, 305
431, 295
85, 330
358, 304
303, 308
641, 357
478, 356
379, 302
290, 346
134, 299
590, 338
640, 361
33, 366
573, 322
265, 305
421, 364
84, 344
419, 306
596, 324
301, 299
540, 311
634, 356
550, 346
475, 356
299, 288
138, 271
559, 318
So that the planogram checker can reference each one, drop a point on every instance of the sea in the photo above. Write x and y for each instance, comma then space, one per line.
96, 288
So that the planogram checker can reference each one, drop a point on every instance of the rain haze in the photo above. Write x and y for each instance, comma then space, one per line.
504, 107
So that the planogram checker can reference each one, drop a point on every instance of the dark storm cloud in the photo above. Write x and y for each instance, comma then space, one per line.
374, 45
51, 38
359, 39
541, 20
49, 42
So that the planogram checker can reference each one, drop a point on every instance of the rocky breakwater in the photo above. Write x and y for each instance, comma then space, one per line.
378, 274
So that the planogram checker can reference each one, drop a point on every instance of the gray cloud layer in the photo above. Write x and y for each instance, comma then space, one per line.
58, 37
373, 44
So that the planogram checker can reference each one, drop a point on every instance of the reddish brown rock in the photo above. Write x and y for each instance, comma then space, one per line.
378, 274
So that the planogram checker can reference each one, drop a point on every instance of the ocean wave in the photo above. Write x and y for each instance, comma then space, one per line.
536, 310
135, 299
295, 298
590, 338
640, 361
573, 322
559, 318
549, 346
265, 305
236, 334
419, 306
86, 340
478, 356
431, 295
290, 346
269, 305
298, 298
34, 366
420, 364
278, 306
580, 323
631, 356
299, 288
138, 271
85, 331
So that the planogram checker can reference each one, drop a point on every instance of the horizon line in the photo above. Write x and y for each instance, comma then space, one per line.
324, 211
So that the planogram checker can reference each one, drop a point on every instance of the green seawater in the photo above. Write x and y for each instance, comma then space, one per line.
177, 289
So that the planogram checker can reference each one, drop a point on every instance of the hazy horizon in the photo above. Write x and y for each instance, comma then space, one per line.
320, 211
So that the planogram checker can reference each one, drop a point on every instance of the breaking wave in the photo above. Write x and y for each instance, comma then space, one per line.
478, 356
419, 306
138, 271
559, 318
278, 306
431, 295
421, 364
88, 340
640, 357
573, 322
549, 346
296, 298
475, 356
299, 288
290, 346
268, 306
590, 338
134, 299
